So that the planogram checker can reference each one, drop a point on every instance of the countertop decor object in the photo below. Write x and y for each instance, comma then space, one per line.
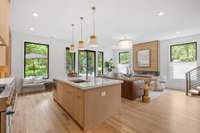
88, 101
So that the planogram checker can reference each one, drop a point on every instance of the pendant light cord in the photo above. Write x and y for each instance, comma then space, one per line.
72, 33
94, 30
81, 28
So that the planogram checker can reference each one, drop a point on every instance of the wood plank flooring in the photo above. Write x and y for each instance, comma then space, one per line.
172, 112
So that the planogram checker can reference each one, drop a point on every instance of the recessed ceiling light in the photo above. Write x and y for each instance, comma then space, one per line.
31, 29
178, 32
161, 14
35, 14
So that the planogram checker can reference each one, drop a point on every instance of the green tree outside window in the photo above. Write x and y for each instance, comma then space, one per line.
36, 60
100, 63
183, 52
70, 61
123, 57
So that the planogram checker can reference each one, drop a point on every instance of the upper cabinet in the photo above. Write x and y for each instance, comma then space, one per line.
3, 56
4, 22
5, 44
146, 57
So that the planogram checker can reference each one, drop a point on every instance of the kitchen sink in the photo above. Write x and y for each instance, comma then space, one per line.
1, 89
78, 80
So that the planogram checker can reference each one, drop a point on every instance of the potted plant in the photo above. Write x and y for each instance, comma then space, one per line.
109, 66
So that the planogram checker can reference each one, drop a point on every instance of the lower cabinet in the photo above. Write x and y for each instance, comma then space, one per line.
71, 99
88, 107
78, 106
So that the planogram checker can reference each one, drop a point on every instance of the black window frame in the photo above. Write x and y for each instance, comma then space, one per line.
25, 44
67, 48
120, 56
181, 44
102, 60
87, 61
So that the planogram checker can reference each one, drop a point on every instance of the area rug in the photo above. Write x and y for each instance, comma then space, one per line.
156, 94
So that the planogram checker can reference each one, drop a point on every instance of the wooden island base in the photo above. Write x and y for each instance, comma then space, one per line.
91, 106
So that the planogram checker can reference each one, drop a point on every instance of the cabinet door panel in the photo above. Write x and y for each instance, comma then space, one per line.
59, 92
78, 106
4, 20
2, 55
68, 99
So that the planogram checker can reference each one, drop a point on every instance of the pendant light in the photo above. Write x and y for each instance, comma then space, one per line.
81, 42
72, 46
93, 38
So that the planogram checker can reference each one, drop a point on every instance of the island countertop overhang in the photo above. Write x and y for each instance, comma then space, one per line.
92, 83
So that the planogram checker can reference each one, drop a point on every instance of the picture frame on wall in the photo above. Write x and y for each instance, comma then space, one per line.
143, 58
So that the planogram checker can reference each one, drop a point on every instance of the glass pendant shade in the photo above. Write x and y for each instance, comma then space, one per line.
81, 45
93, 38
72, 48
93, 41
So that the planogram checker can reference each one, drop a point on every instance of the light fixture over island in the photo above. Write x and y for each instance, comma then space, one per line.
88, 102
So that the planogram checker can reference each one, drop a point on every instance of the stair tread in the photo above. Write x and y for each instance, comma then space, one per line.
194, 91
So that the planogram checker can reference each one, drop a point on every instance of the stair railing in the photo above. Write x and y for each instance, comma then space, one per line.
192, 79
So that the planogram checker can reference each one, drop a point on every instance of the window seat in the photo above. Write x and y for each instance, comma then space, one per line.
31, 86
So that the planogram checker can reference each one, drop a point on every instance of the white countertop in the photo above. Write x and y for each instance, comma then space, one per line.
6, 81
94, 82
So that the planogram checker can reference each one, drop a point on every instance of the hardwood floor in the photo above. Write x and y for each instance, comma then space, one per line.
170, 113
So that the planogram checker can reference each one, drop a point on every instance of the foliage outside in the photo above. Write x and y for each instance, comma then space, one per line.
70, 61
87, 63
183, 53
36, 67
100, 63
123, 57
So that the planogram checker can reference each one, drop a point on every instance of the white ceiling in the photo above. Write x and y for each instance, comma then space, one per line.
115, 19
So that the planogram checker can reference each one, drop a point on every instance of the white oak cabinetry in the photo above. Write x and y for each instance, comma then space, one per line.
91, 106
2, 55
5, 22
5, 53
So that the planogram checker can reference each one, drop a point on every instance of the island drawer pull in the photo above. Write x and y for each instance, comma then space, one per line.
78, 97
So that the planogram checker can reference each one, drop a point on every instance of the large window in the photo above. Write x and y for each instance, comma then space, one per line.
36, 60
100, 63
123, 57
183, 58
87, 63
70, 61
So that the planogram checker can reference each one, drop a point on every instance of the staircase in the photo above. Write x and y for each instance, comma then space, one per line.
193, 81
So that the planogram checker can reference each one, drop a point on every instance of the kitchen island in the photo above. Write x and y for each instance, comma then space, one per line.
88, 102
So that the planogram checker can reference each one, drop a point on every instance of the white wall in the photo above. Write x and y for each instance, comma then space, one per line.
57, 63
56, 54
121, 67
164, 59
